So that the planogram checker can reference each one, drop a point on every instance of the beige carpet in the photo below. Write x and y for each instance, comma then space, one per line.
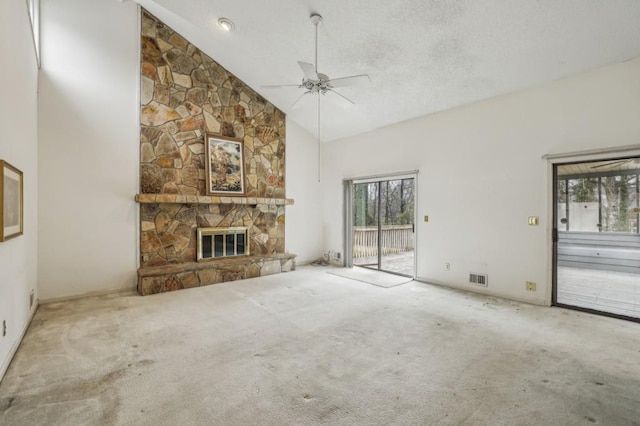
369, 276
309, 348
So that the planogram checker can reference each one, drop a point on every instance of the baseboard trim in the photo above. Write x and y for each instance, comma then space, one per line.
17, 343
537, 302
131, 291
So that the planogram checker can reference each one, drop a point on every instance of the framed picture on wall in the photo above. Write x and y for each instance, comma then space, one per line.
11, 201
224, 165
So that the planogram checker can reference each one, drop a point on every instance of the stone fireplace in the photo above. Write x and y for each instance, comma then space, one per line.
185, 94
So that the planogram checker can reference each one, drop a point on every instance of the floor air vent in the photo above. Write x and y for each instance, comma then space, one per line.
480, 279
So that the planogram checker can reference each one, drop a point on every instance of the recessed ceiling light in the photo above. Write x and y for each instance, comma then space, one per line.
226, 24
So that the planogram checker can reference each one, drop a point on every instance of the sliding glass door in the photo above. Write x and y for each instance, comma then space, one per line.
383, 229
597, 238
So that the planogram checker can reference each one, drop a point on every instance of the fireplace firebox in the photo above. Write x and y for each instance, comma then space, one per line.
214, 243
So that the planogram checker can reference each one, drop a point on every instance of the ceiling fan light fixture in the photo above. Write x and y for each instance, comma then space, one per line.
226, 24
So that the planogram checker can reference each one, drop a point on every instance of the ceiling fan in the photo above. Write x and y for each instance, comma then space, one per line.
616, 162
315, 83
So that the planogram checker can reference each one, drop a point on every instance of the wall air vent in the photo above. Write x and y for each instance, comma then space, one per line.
480, 279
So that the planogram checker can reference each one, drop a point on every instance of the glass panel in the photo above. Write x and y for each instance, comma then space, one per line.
397, 243
618, 203
598, 249
34, 16
562, 207
218, 244
583, 205
383, 228
240, 244
230, 240
206, 246
365, 224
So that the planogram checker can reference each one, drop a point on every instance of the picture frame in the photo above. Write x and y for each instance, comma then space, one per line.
224, 168
11, 202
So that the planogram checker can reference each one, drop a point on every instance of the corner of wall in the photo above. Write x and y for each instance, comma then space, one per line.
304, 227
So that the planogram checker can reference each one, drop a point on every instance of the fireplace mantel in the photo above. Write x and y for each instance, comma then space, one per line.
201, 199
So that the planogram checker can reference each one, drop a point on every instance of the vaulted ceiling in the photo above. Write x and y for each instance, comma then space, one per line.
423, 56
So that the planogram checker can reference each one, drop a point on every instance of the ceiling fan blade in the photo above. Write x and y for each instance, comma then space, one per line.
274, 86
298, 100
341, 95
613, 163
309, 70
354, 80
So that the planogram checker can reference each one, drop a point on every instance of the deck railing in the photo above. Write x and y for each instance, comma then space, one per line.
395, 239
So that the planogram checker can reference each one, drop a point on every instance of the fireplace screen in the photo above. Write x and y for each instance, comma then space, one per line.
214, 243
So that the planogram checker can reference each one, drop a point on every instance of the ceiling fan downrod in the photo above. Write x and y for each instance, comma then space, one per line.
316, 20
320, 86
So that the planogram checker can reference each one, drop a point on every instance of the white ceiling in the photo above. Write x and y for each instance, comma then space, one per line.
423, 56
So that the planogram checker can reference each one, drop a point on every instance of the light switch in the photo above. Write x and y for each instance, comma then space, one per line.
426, 218
533, 220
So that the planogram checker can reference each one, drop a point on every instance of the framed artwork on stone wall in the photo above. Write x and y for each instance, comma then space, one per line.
11, 201
224, 165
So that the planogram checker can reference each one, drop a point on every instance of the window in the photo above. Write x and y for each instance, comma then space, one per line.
599, 202
33, 7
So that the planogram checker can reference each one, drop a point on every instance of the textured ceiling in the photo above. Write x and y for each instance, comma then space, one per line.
423, 56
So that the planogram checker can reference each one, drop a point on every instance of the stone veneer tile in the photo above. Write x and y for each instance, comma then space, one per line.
288, 265
192, 92
270, 267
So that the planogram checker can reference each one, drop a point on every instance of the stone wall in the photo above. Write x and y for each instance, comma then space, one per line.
169, 230
184, 94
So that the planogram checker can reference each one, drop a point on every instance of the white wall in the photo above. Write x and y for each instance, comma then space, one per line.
18, 146
303, 226
88, 153
476, 159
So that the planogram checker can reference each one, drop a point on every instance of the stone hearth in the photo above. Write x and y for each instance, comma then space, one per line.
196, 274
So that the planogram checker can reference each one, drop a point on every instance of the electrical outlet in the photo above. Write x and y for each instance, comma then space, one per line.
531, 286
335, 258
447, 266
4, 328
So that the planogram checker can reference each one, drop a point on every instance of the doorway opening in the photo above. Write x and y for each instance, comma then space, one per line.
596, 238
381, 224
